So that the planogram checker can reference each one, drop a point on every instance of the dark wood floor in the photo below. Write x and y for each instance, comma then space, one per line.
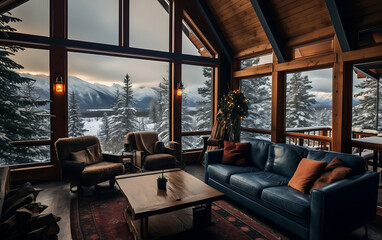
58, 197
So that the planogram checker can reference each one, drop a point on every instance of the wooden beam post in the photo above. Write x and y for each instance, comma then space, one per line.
176, 72
124, 11
267, 22
342, 102
278, 104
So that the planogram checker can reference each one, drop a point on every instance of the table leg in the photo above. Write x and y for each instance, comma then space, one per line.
375, 161
145, 227
208, 213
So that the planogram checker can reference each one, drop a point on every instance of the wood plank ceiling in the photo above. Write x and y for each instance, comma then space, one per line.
298, 21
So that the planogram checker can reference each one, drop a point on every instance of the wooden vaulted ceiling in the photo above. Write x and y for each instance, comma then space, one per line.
297, 21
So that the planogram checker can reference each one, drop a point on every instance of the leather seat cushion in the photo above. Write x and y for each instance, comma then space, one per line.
102, 171
254, 183
159, 161
222, 172
288, 200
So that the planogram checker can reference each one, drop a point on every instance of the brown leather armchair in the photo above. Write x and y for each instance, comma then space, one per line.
84, 164
151, 154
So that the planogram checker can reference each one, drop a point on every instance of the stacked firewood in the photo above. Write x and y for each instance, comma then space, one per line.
22, 216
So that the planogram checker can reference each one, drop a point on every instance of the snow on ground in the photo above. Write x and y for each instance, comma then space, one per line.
92, 126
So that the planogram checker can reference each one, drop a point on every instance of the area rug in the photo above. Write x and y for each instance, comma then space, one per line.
101, 217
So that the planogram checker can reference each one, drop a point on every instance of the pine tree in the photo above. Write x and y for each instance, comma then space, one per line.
324, 117
162, 125
104, 133
188, 125
21, 117
203, 116
299, 102
258, 92
75, 121
124, 119
365, 113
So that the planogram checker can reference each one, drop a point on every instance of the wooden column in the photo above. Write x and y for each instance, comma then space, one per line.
278, 104
176, 72
124, 6
342, 102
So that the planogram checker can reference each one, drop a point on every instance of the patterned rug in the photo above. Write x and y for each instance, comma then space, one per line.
101, 217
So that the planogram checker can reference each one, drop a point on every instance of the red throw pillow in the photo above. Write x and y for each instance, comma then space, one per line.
335, 171
236, 153
306, 174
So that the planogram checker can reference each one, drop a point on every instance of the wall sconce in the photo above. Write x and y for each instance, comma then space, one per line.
179, 89
59, 85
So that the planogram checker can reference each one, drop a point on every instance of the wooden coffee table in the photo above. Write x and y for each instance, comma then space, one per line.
170, 210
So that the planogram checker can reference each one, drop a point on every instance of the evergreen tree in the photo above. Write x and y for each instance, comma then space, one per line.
104, 133
124, 119
203, 116
21, 117
365, 113
76, 123
324, 117
258, 92
188, 125
299, 102
162, 125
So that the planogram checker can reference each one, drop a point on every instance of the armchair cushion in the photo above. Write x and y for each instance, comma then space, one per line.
159, 161
95, 153
81, 157
101, 171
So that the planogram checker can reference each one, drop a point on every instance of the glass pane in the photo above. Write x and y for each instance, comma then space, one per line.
309, 101
24, 104
192, 142
27, 155
111, 96
149, 24
258, 60
191, 43
258, 91
35, 17
94, 21
244, 136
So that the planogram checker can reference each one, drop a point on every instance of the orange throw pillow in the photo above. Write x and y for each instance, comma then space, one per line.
236, 153
335, 171
307, 172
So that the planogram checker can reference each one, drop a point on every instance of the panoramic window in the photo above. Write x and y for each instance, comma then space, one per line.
34, 16
258, 91
111, 96
309, 103
149, 24
88, 18
191, 44
25, 99
196, 103
258, 60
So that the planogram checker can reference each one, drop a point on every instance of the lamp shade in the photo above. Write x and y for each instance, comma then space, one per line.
179, 92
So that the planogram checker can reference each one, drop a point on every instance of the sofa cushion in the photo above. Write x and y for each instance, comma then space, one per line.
283, 159
222, 172
97, 172
81, 156
288, 200
259, 151
334, 171
253, 183
236, 153
306, 174
355, 162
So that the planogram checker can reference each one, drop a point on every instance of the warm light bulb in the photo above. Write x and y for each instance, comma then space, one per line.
59, 87
179, 92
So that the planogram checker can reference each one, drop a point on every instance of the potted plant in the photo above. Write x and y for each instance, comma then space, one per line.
162, 181
233, 108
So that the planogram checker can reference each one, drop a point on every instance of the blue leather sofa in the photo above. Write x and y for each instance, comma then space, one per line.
262, 186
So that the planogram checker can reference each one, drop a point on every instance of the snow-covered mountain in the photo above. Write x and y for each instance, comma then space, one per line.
99, 96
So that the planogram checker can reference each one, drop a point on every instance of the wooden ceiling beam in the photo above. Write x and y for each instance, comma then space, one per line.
264, 15
8, 5
214, 27
337, 15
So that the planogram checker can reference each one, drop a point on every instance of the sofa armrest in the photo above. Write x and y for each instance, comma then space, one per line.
72, 171
112, 158
343, 206
211, 157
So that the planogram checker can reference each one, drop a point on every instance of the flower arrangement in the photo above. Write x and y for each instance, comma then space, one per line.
233, 107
